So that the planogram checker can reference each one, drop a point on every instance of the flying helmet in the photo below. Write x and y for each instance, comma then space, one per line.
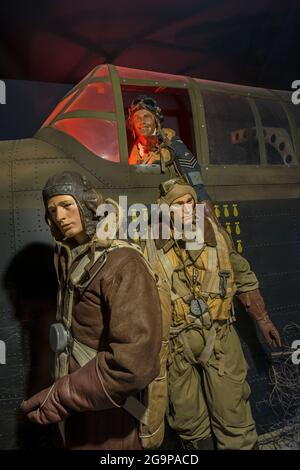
173, 189
87, 199
148, 103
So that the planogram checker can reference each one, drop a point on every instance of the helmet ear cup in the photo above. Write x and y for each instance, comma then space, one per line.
92, 199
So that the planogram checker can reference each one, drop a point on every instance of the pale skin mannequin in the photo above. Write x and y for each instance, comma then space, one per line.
65, 214
184, 207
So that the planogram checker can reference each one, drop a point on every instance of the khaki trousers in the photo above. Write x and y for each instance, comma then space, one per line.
213, 399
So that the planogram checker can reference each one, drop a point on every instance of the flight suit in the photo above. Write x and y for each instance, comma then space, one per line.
208, 391
107, 336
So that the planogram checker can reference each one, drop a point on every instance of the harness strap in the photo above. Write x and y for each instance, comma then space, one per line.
61, 365
210, 283
83, 354
85, 267
163, 265
209, 346
136, 408
216, 279
224, 263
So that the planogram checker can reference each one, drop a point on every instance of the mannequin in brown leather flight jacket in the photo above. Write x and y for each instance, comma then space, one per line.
118, 315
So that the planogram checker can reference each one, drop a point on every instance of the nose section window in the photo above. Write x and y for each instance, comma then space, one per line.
96, 96
59, 108
97, 135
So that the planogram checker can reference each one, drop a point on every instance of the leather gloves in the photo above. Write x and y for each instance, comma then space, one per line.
255, 306
80, 391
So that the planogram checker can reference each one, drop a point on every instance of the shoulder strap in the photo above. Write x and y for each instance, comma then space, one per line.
158, 258
86, 270
225, 277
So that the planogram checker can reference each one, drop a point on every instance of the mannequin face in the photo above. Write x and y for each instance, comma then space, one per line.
184, 209
65, 214
144, 124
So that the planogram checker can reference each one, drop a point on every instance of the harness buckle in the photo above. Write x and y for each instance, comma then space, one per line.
224, 276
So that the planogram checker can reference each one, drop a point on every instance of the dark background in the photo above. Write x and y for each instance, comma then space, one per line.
252, 43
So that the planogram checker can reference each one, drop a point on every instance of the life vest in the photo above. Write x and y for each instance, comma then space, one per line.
212, 294
214, 280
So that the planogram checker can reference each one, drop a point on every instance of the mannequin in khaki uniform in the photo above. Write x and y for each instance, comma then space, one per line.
208, 392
